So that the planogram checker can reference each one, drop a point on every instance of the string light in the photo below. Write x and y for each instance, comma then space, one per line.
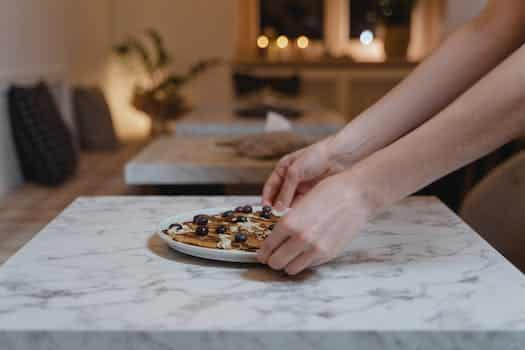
302, 42
366, 37
282, 41
263, 42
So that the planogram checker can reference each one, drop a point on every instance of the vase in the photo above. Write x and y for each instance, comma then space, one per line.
397, 39
159, 127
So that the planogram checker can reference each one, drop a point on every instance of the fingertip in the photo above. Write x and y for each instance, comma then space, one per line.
265, 201
291, 272
286, 194
270, 245
261, 256
264, 253
270, 189
300, 263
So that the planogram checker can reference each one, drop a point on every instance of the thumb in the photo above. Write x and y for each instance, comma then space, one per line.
289, 187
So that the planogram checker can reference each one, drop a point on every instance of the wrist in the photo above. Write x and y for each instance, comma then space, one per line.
358, 187
325, 146
341, 154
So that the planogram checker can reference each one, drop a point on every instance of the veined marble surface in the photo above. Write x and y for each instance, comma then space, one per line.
98, 278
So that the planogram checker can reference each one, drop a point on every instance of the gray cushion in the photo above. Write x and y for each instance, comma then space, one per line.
93, 119
43, 141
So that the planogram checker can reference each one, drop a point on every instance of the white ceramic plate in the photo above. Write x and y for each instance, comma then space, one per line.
231, 255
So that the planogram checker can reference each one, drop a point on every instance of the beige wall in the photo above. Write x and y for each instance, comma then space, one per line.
88, 39
192, 29
40, 23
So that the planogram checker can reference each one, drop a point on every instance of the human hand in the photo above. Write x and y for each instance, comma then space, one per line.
319, 228
297, 173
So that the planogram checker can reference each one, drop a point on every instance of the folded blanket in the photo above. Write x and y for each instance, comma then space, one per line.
271, 145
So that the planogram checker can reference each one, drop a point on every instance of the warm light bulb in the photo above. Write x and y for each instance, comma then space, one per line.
282, 41
302, 42
263, 42
366, 37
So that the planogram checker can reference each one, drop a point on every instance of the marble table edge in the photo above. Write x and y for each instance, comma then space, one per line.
304, 340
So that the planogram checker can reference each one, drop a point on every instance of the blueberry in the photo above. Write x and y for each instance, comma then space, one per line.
239, 209
201, 231
175, 226
228, 214
241, 237
267, 209
271, 227
241, 219
220, 230
266, 215
247, 209
200, 220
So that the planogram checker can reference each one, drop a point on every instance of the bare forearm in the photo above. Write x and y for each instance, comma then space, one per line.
488, 115
461, 61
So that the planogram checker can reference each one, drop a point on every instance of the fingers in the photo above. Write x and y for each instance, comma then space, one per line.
275, 181
287, 252
301, 262
288, 188
271, 243
302, 189
297, 199
272, 187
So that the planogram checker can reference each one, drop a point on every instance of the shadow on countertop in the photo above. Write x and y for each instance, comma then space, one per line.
250, 272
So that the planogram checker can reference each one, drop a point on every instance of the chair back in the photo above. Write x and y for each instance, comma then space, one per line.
495, 208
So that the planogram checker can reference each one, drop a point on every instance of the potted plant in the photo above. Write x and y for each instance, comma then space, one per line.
159, 94
396, 16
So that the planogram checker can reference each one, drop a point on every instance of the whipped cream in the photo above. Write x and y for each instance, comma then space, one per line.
184, 229
247, 225
224, 242
280, 213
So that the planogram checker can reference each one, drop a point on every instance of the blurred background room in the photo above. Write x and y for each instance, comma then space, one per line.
115, 97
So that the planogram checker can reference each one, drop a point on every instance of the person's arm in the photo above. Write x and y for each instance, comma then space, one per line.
324, 222
488, 115
462, 59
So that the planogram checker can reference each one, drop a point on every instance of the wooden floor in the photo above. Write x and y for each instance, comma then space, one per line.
29, 208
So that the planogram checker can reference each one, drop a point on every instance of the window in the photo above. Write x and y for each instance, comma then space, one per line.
361, 29
366, 15
292, 18
363, 17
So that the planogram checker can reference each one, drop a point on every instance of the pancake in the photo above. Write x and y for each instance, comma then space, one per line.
239, 229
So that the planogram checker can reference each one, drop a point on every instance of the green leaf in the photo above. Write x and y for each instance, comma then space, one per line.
143, 54
121, 49
171, 81
163, 57
202, 65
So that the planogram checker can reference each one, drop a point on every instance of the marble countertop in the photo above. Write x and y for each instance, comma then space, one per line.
188, 160
97, 277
